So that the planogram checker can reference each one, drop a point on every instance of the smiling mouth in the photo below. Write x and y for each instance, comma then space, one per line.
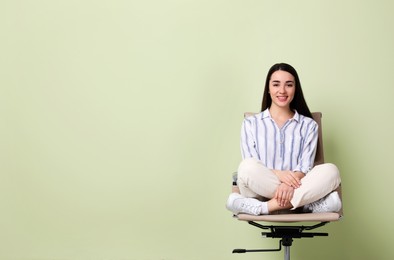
282, 98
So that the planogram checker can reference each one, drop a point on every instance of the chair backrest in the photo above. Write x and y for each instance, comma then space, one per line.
319, 158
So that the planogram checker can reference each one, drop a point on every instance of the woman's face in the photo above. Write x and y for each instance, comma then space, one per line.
282, 88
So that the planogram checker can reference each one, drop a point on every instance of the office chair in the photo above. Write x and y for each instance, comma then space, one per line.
286, 233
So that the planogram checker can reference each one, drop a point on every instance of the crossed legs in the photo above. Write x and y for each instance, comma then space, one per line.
257, 181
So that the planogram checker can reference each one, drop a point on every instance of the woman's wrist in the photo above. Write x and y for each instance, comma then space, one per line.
299, 174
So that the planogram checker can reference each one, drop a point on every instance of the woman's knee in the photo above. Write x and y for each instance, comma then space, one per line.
331, 171
246, 166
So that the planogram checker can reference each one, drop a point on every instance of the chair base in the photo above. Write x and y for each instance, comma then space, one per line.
286, 234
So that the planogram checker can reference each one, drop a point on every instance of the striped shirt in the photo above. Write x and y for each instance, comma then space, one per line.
291, 147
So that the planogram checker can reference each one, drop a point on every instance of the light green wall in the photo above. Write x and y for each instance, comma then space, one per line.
120, 123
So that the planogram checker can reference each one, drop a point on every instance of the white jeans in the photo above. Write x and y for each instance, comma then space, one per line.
256, 181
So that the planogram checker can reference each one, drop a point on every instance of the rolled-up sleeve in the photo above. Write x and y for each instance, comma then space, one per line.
308, 152
248, 144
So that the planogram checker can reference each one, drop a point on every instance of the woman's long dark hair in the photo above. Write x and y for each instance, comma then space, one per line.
298, 103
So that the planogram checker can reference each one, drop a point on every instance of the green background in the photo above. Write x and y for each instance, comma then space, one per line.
120, 123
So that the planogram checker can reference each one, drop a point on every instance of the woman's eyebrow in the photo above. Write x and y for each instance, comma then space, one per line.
278, 81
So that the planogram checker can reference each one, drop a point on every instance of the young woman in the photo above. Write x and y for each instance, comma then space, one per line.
278, 148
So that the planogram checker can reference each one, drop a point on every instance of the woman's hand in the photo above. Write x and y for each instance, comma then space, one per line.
284, 193
290, 178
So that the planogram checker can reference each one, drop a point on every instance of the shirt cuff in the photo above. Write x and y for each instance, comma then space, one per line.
302, 169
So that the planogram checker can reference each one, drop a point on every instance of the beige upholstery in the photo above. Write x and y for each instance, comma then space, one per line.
299, 217
296, 217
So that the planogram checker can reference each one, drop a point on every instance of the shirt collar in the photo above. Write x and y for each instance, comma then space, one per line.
266, 114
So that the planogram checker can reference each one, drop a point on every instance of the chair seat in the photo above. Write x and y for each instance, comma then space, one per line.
301, 217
